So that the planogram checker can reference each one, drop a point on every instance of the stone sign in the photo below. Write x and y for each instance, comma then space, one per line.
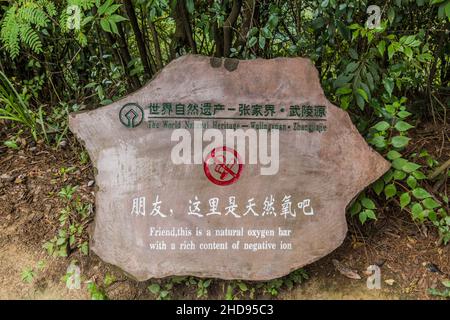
224, 168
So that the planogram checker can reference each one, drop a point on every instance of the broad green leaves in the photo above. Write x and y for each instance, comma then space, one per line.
108, 19
262, 36
390, 190
405, 199
400, 141
403, 126
382, 126
364, 208
420, 193
368, 203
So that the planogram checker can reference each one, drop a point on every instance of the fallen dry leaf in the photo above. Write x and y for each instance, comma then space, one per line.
389, 281
349, 273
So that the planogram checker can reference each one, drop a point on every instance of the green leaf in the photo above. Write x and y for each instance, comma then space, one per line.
408, 52
262, 42
353, 54
273, 21
403, 126
351, 67
86, 20
242, 286
102, 9
112, 9
355, 208
206, 283
403, 114
360, 101
390, 190
117, 18
113, 27
391, 51
399, 163
429, 203
410, 167
412, 182
371, 214
368, 203
85, 248
381, 46
388, 85
378, 186
60, 241
378, 141
388, 176
419, 175
420, 193
392, 155
11, 144
362, 216
432, 216
391, 14
416, 210
381, 126
399, 175
154, 288
105, 25
363, 94
252, 41
370, 82
27, 275
343, 90
405, 199
447, 9
400, 141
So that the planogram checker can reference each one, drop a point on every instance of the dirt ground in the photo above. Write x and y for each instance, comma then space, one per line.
410, 260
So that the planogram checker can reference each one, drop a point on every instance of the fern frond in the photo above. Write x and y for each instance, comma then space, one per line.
32, 14
49, 7
22, 22
63, 17
10, 32
31, 38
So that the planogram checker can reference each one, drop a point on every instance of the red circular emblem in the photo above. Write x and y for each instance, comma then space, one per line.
223, 166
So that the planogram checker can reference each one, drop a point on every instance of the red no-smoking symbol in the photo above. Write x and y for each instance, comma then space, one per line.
223, 166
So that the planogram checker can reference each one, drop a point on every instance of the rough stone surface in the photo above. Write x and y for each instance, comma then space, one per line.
330, 168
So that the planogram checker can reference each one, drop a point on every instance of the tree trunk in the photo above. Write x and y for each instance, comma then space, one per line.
227, 27
138, 35
159, 60
125, 54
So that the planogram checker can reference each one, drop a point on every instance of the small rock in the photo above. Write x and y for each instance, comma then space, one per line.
90, 183
63, 143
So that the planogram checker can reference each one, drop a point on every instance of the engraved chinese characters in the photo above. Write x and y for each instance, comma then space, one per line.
177, 197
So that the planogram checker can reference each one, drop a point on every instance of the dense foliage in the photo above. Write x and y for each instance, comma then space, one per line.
62, 56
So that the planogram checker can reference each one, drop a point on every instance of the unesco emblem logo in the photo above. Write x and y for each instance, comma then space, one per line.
131, 115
